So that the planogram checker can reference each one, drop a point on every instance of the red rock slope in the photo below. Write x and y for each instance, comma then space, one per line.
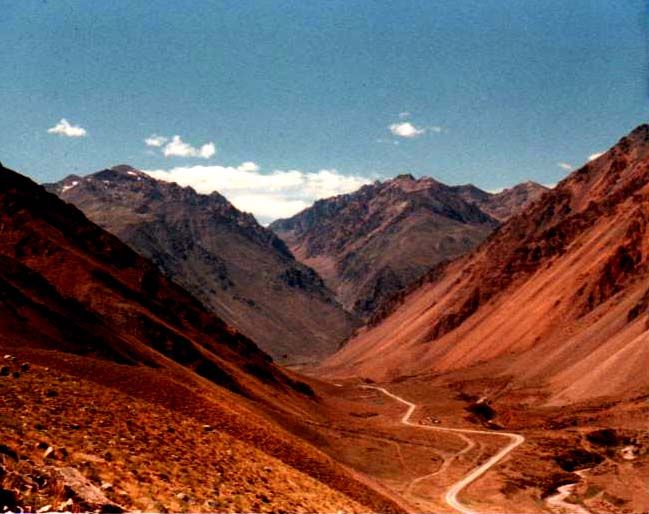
90, 315
556, 296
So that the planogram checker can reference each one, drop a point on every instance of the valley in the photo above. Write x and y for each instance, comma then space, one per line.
450, 497
428, 458
444, 458
324, 257
120, 388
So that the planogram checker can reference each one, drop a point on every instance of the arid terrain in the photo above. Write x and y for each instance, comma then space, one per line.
607, 443
324, 257
87, 326
544, 327
511, 379
74, 444
370, 244
557, 296
240, 270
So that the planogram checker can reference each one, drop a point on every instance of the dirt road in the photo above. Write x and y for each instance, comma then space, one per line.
450, 497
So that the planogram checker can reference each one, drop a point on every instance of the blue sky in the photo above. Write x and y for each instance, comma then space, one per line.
264, 95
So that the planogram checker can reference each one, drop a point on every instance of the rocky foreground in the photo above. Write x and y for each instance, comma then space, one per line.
72, 445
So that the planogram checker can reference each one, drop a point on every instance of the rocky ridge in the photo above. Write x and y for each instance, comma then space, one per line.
371, 244
238, 269
555, 297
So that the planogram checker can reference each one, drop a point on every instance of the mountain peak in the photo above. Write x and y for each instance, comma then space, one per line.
371, 243
124, 168
641, 131
524, 188
531, 183
404, 176
240, 270
505, 204
121, 173
636, 143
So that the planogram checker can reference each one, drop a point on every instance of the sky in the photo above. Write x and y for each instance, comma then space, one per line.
278, 103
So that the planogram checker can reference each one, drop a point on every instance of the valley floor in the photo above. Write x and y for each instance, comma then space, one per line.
82, 434
602, 448
78, 433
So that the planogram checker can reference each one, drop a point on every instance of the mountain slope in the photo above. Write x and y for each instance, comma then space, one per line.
237, 268
125, 368
505, 204
369, 244
556, 296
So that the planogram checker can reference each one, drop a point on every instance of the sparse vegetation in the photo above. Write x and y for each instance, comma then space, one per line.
138, 455
578, 458
605, 437
482, 410
592, 491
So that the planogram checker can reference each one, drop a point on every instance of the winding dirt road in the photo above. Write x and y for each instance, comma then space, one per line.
450, 497
557, 501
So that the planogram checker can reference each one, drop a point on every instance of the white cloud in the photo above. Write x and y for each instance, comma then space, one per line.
436, 128
248, 166
406, 129
178, 148
565, 166
404, 114
278, 194
64, 128
594, 156
156, 141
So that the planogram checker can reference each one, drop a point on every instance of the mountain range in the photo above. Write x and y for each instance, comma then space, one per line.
370, 244
116, 375
496, 325
240, 270
557, 296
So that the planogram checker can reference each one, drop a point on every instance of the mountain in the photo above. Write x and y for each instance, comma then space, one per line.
556, 297
240, 270
369, 244
505, 204
122, 392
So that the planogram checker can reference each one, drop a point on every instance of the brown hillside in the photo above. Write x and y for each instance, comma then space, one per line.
240, 270
119, 370
556, 296
370, 244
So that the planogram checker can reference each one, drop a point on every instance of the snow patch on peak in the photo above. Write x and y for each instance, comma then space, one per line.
69, 186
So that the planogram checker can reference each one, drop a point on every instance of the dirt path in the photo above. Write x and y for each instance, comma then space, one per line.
450, 497
557, 501
470, 444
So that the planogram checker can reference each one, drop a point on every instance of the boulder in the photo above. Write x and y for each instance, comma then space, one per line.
49, 453
84, 493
